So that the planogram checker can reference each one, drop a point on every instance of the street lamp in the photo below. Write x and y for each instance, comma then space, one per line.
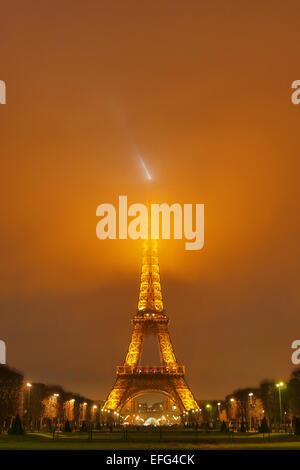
231, 411
250, 394
219, 408
208, 406
28, 385
280, 385
56, 395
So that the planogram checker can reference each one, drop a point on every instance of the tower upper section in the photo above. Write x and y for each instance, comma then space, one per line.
150, 296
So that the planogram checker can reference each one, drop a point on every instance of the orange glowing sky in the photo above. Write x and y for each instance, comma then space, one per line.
202, 91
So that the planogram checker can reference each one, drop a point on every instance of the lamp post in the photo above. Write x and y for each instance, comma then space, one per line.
280, 385
28, 385
250, 394
219, 410
84, 411
208, 406
56, 396
95, 408
232, 414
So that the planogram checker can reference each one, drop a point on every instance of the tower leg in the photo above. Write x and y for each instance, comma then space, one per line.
135, 347
186, 397
165, 346
116, 396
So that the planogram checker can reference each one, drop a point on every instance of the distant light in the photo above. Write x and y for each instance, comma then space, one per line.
85, 403
56, 394
219, 404
231, 399
149, 177
208, 405
95, 406
250, 394
72, 400
28, 384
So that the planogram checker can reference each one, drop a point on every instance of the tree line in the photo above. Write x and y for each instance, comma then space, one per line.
40, 406
276, 406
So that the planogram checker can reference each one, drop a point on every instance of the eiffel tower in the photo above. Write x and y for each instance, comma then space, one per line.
167, 379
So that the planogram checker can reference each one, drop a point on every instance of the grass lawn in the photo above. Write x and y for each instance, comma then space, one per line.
149, 439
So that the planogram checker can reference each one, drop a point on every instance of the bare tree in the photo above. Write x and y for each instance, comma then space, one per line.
11, 382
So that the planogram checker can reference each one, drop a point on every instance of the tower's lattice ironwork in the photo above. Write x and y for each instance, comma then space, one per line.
133, 379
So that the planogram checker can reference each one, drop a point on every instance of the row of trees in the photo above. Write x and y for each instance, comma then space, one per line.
11, 383
41, 406
276, 403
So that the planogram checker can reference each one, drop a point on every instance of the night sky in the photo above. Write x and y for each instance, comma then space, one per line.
202, 90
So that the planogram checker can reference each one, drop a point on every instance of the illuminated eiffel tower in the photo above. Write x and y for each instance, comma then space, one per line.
133, 379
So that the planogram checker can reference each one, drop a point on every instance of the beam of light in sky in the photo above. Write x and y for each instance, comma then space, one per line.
149, 177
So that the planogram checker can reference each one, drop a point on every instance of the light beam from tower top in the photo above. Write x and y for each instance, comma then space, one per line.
149, 177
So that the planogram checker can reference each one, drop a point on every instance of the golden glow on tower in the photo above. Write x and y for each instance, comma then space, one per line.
150, 298
135, 347
132, 377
